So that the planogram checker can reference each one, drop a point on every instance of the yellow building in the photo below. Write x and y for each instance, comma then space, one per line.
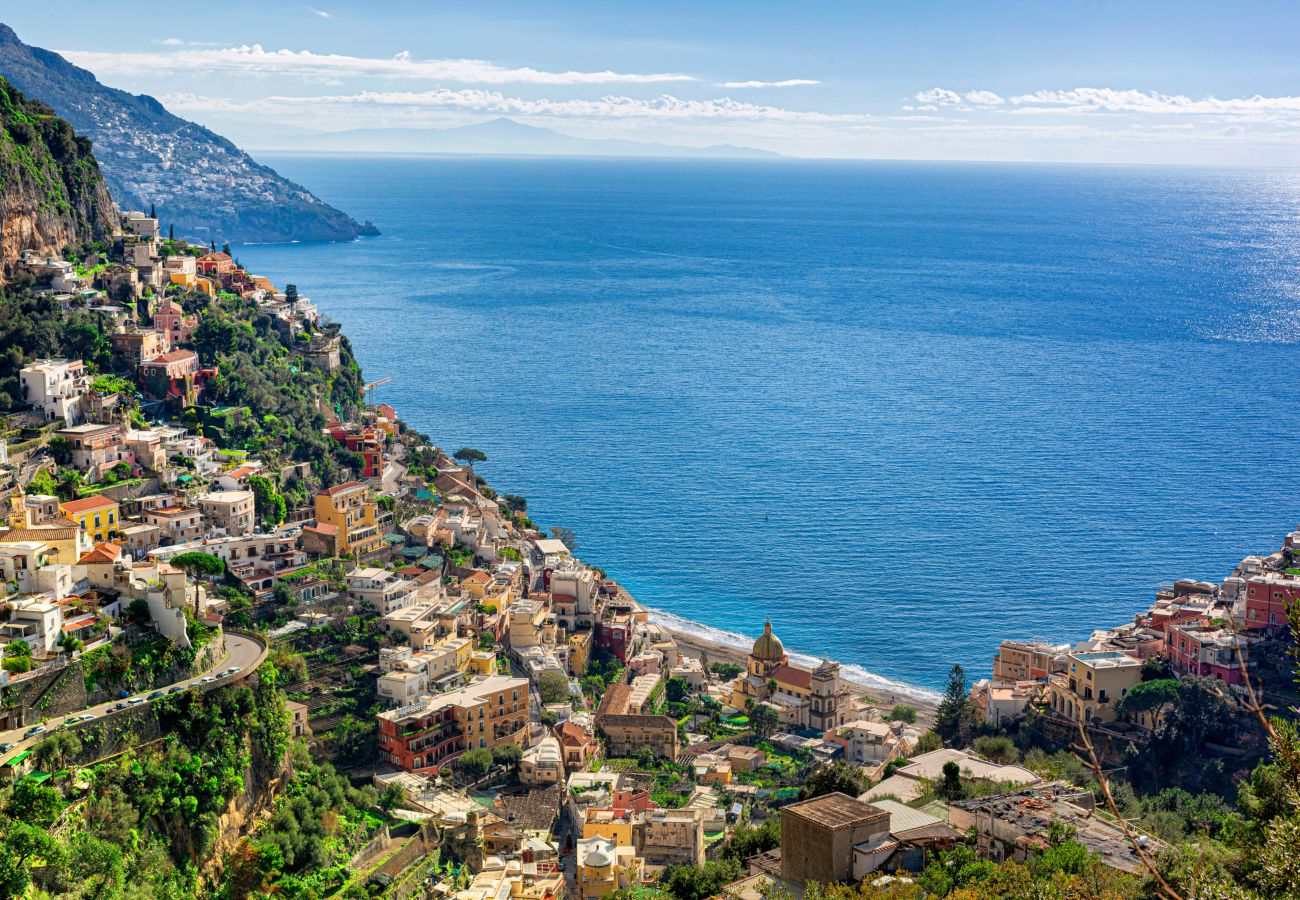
1093, 685
604, 868
614, 825
350, 508
97, 516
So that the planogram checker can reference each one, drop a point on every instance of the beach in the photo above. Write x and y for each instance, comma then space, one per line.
695, 644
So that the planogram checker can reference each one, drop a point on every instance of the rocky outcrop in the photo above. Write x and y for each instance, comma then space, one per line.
52, 193
201, 183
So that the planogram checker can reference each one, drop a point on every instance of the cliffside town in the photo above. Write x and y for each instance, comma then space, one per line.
203, 184
262, 637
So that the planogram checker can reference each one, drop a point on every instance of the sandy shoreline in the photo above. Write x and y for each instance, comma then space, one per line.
695, 644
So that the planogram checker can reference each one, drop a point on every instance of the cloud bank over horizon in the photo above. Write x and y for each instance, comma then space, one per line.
239, 88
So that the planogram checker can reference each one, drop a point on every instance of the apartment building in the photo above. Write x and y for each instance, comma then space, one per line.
1208, 651
1267, 596
429, 733
380, 589
55, 388
670, 837
1027, 660
1093, 684
97, 448
350, 509
176, 524
230, 511
98, 517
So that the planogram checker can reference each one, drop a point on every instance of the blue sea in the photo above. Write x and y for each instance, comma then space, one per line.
903, 410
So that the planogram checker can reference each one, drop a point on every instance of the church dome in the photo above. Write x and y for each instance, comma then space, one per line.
768, 646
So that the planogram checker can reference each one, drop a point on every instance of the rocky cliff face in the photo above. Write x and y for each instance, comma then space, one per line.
201, 183
51, 191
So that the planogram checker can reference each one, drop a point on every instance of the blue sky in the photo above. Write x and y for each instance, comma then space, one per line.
1187, 82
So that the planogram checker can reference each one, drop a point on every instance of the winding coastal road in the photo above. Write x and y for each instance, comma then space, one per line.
244, 653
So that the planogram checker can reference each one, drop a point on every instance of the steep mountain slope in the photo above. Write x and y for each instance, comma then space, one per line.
51, 190
200, 182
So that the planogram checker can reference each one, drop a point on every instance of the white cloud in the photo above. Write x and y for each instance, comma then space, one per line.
317, 12
938, 96
1088, 99
983, 98
256, 60
789, 82
663, 107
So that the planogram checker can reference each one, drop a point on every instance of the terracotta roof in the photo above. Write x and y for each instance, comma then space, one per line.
86, 504
173, 356
240, 472
323, 528
340, 488
14, 535
104, 552
571, 734
478, 576
790, 675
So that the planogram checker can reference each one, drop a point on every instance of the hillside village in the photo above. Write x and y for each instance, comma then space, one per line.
205, 501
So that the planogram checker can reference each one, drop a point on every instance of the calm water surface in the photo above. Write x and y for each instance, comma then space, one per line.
904, 410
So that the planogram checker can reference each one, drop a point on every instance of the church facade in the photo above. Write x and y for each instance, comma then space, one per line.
805, 698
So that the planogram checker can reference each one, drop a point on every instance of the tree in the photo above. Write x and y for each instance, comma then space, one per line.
516, 503
171, 232
553, 686
951, 787
903, 713
291, 294
61, 449
998, 749
751, 840
676, 689
268, 503
1156, 668
197, 564
137, 612
391, 797
725, 670
35, 804
473, 764
469, 455
509, 756
763, 720
839, 777
565, 536
699, 882
153, 211
23, 842
956, 714
1153, 696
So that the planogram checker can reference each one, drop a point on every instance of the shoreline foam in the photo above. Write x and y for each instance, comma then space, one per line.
728, 646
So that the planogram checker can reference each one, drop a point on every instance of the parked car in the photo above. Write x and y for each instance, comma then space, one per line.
86, 717
6, 747
176, 689
233, 671
34, 730
207, 679
121, 705
135, 701
155, 695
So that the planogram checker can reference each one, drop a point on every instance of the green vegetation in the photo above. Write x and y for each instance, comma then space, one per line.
142, 821
902, 713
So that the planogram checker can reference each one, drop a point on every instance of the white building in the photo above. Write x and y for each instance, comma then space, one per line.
380, 589
56, 388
